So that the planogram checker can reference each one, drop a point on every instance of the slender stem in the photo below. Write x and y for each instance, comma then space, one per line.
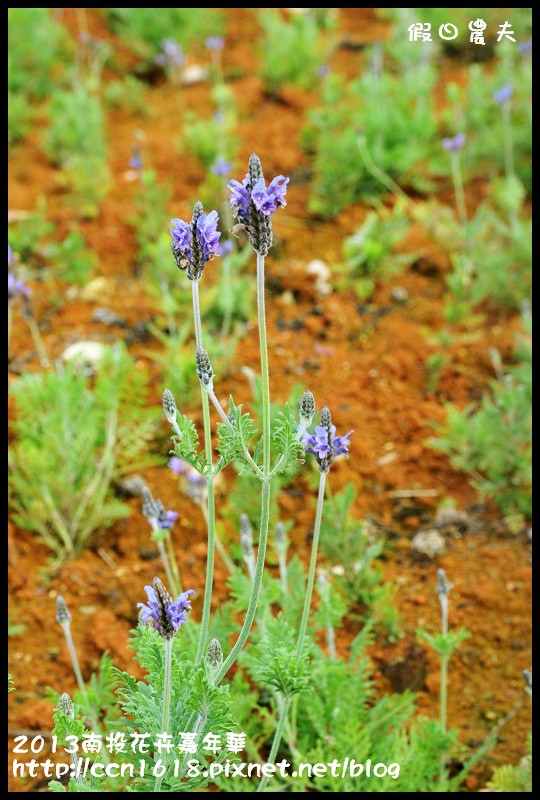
167, 683
443, 597
254, 597
74, 659
196, 313
378, 173
277, 739
211, 517
265, 380
227, 422
167, 566
508, 145
458, 188
229, 563
331, 641
282, 555
174, 564
312, 565
38, 342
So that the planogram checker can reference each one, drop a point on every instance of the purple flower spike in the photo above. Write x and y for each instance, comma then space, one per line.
17, 287
136, 158
324, 444
155, 512
225, 248
525, 48
503, 95
195, 244
215, 43
171, 56
161, 612
253, 203
221, 167
454, 144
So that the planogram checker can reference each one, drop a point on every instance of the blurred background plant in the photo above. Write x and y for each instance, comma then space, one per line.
79, 437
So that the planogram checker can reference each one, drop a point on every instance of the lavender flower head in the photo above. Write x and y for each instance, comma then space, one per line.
324, 444
525, 48
161, 612
253, 203
135, 161
195, 244
16, 287
221, 167
215, 43
155, 512
455, 143
171, 56
503, 95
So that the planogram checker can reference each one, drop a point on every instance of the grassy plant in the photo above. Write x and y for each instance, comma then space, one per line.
127, 94
79, 439
292, 51
38, 51
394, 115
491, 440
371, 252
144, 29
75, 141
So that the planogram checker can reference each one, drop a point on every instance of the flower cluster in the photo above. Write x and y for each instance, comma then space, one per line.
171, 56
324, 444
195, 244
253, 203
195, 485
155, 512
455, 143
164, 614
503, 95
215, 43
221, 167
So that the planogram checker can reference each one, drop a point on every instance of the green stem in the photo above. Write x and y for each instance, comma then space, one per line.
458, 189
167, 566
255, 589
312, 565
378, 173
277, 739
38, 342
444, 678
174, 564
74, 659
211, 509
167, 682
211, 516
265, 380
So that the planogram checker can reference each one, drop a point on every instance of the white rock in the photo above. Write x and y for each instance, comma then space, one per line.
192, 74
429, 543
322, 274
85, 354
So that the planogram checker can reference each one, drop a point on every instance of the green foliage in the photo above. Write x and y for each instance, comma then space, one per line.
144, 29
514, 779
78, 440
195, 706
234, 438
128, 94
370, 252
274, 662
38, 49
150, 218
345, 541
491, 440
186, 444
75, 141
292, 51
209, 138
394, 114
444, 644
